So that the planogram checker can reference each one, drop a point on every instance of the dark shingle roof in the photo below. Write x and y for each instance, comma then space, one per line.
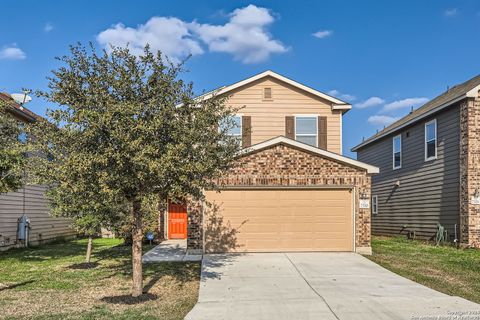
449, 96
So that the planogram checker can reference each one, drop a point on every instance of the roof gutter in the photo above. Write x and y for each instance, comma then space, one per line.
470, 94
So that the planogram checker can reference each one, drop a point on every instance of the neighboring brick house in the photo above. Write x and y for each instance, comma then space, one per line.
291, 189
429, 169
29, 201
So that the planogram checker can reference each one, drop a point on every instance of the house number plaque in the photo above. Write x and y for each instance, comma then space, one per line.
364, 203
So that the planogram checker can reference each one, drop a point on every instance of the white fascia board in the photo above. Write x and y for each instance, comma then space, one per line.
338, 104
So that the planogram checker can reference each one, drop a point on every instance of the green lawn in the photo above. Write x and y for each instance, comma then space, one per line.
445, 269
52, 282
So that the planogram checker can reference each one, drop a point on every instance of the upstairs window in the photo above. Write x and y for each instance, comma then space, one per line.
431, 140
267, 93
306, 130
235, 127
374, 205
397, 152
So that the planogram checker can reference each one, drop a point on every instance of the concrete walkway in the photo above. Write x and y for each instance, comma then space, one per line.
313, 286
170, 250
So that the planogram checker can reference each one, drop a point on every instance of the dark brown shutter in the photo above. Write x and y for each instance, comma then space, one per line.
246, 131
290, 127
322, 132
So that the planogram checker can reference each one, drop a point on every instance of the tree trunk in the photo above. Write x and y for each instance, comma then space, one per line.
137, 238
89, 249
161, 218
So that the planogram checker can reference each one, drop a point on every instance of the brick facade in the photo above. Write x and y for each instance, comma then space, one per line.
470, 172
285, 166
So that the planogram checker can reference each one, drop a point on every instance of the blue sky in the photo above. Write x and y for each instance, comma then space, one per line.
382, 56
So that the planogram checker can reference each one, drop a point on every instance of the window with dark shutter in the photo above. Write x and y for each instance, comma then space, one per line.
306, 130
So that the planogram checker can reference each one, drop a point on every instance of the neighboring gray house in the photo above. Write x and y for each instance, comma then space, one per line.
429, 169
30, 201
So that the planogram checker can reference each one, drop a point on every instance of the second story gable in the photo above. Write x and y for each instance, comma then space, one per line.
272, 105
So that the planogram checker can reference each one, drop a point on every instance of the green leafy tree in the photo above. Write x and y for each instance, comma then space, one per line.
89, 209
131, 126
12, 157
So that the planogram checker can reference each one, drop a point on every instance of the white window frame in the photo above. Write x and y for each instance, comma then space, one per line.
393, 152
307, 135
375, 205
434, 121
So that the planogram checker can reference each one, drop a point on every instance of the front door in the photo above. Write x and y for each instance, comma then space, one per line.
177, 221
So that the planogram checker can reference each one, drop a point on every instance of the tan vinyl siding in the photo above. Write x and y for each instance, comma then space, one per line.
35, 205
429, 190
268, 116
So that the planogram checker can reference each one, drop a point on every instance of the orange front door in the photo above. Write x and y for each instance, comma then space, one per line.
177, 221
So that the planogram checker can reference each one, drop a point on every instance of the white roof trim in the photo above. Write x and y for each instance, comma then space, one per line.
324, 153
336, 103
470, 94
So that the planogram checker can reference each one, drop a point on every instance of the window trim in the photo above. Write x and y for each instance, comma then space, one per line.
374, 204
393, 152
434, 121
303, 134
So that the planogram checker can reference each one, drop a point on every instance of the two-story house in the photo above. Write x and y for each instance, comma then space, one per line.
429, 169
29, 200
292, 189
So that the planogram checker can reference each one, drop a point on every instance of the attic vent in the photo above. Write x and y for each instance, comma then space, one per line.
267, 93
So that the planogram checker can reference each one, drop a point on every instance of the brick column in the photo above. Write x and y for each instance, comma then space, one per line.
469, 172
194, 229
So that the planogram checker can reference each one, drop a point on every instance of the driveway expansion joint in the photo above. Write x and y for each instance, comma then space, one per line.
315, 291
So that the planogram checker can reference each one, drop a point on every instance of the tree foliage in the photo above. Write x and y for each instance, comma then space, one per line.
12, 157
128, 128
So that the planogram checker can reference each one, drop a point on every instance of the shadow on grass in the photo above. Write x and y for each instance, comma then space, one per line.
15, 285
128, 299
58, 250
83, 266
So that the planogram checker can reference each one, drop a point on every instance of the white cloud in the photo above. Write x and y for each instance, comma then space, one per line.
48, 27
405, 103
12, 53
381, 120
451, 12
343, 96
245, 35
322, 34
370, 102
169, 35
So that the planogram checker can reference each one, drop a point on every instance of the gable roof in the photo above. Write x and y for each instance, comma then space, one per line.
311, 149
18, 109
337, 104
468, 89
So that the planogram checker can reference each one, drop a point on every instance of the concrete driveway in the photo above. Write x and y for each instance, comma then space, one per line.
313, 286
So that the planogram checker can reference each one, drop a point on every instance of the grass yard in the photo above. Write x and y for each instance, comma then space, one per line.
52, 282
445, 269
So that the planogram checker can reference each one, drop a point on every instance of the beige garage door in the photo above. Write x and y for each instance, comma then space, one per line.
279, 220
